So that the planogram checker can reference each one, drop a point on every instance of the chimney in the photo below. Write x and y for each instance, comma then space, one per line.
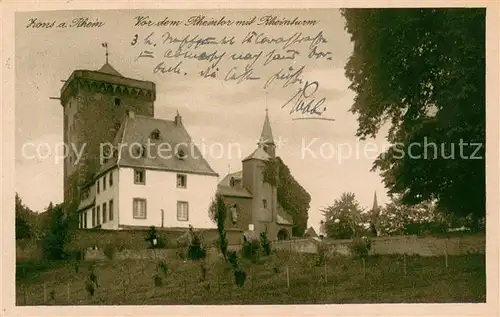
131, 114
178, 119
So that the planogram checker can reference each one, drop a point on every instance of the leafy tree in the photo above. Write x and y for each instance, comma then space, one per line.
343, 219
218, 214
24, 220
291, 195
397, 218
422, 71
63, 223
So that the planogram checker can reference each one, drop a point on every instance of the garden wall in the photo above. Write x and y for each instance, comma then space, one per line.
423, 246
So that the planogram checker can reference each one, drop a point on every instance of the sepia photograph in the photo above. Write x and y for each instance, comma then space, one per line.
250, 156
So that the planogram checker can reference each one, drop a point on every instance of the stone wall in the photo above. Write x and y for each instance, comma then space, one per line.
423, 246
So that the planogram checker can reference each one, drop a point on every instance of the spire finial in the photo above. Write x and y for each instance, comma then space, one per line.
105, 45
266, 103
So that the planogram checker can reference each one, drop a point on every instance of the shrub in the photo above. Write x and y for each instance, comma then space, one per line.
266, 245
196, 251
155, 240
158, 281
232, 258
360, 247
240, 277
251, 249
163, 267
218, 214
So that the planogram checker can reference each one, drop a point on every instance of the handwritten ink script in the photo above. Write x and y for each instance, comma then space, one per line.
80, 22
277, 60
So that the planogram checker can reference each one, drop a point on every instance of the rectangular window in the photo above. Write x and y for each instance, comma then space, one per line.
139, 176
104, 213
98, 215
111, 210
81, 221
181, 181
93, 217
98, 186
104, 183
85, 220
264, 203
139, 208
182, 211
110, 179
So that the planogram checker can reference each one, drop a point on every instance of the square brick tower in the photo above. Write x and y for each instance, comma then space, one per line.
94, 103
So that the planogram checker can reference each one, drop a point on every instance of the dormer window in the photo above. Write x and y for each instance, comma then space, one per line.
155, 135
180, 154
140, 151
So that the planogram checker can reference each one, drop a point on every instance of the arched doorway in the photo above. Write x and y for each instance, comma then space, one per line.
283, 234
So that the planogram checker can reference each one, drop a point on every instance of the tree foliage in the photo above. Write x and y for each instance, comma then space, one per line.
218, 214
25, 219
343, 219
422, 71
63, 223
291, 195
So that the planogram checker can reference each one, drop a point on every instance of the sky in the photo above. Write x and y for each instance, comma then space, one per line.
216, 111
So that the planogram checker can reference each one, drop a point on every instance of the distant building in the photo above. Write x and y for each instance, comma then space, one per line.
310, 233
253, 203
136, 183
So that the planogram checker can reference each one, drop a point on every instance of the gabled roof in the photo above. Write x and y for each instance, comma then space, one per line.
283, 217
310, 232
160, 154
108, 69
226, 180
258, 154
237, 191
89, 201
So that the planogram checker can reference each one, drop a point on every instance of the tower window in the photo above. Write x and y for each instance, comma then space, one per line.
117, 101
264, 203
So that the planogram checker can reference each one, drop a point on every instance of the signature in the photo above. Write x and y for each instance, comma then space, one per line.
303, 100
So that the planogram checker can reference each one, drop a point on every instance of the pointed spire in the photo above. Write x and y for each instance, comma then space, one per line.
375, 203
266, 137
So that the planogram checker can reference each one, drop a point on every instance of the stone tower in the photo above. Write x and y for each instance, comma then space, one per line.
94, 103
265, 203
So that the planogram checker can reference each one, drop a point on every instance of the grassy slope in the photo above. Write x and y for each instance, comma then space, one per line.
427, 281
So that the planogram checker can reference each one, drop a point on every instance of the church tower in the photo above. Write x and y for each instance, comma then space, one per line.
94, 103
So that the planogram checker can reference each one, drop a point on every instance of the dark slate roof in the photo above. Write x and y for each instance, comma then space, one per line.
136, 130
310, 232
283, 217
236, 191
108, 69
224, 187
236, 175
89, 201
266, 135
258, 154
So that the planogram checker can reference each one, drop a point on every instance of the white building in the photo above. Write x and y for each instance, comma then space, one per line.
152, 176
